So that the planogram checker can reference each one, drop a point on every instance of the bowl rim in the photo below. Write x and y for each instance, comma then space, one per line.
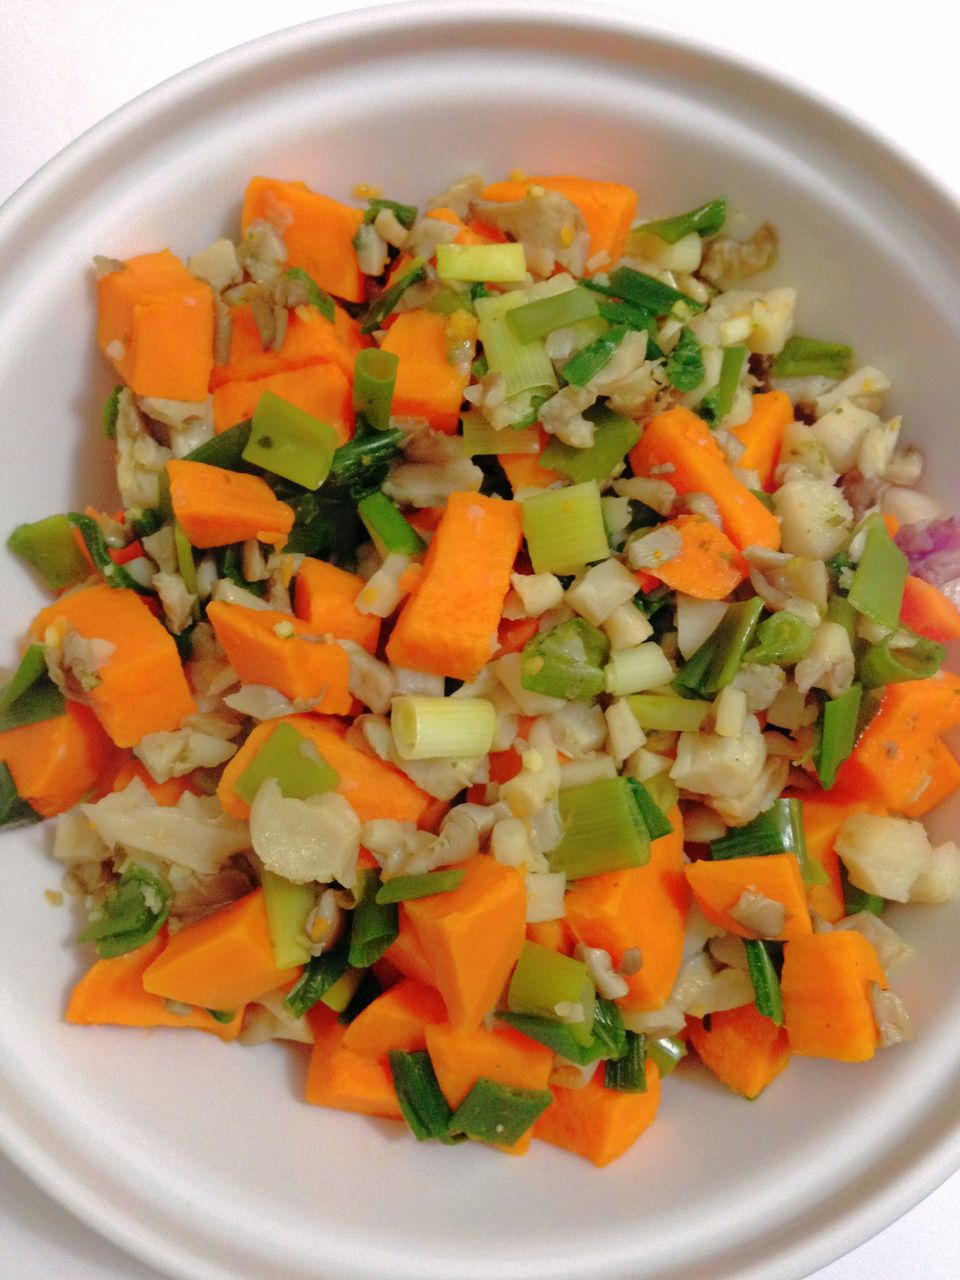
879, 1196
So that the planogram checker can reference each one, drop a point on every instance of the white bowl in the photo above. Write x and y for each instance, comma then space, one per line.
203, 1158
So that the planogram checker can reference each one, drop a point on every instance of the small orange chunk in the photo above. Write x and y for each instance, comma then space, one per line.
344, 1080
322, 390
597, 1123
56, 763
216, 507
718, 887
427, 386
743, 1049
310, 339
825, 984
326, 598
396, 1020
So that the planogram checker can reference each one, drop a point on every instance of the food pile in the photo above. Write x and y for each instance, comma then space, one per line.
514, 662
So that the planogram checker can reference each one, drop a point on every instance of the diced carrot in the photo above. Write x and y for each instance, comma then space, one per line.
325, 597
643, 907
892, 760
461, 1058
347, 1081
310, 339
607, 208
165, 793
504, 765
265, 646
398, 1019
743, 1049
448, 627
425, 519
406, 953
322, 390
55, 763
928, 611
155, 325
428, 386
823, 816
374, 788
826, 995
891, 524
555, 934
215, 507
679, 447
317, 231
762, 434
524, 471
220, 962
123, 555
472, 937
597, 1123
514, 633
718, 886
410, 581
708, 565
944, 775
142, 687
111, 992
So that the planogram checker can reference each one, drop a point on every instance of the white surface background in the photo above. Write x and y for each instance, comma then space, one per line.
64, 64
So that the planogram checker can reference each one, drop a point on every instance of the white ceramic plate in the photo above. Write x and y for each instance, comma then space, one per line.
202, 1157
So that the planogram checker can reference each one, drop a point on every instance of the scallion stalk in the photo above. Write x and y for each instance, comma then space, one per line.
654, 817
838, 733
113, 574
500, 1113
542, 316
880, 576
882, 664
608, 1039
766, 983
778, 829
524, 365
185, 561
111, 411
134, 912
685, 369
374, 378
362, 464
566, 662
486, 263
588, 362
809, 357
405, 214
378, 311
421, 1100
289, 442
30, 696
430, 728
614, 437
720, 657
225, 449
629, 1073
839, 609
388, 527
782, 638
707, 219
663, 713
14, 810
630, 671
604, 830
564, 528
293, 760
316, 297
649, 293
856, 900
548, 984
374, 925
666, 1052
480, 439
409, 888
718, 402
50, 548
320, 975
288, 905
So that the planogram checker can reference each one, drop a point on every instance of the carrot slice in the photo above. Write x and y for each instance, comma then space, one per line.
762, 434
396, 1020
708, 565
407, 955
743, 1049
717, 887
826, 995
215, 507
165, 793
55, 763
310, 339
524, 471
427, 386
325, 597
344, 1080
944, 775
555, 934
823, 816
322, 390
928, 611
597, 1123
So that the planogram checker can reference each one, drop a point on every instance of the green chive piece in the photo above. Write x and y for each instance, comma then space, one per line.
387, 526
224, 450
838, 733
524, 365
482, 263
14, 810
657, 822
782, 638
374, 925
720, 657
615, 311
134, 912
293, 760
629, 1073
663, 712
778, 829
316, 297
566, 662
663, 791
651, 294
320, 975
718, 402
223, 1016
564, 528
666, 1052
30, 696
423, 1105
289, 442
480, 439
113, 574
111, 411
49, 547
808, 357
545, 980
614, 437
384, 305
707, 219
880, 576
608, 1039
363, 463
766, 983
588, 362
500, 1113
839, 609
855, 900
408, 888
374, 378
288, 905
609, 1034
542, 316
882, 664
185, 560
684, 367
405, 214
604, 830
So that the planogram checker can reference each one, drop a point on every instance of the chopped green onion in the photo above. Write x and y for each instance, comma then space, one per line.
320, 975
609, 1034
707, 219
111, 411
629, 1073
542, 316
225, 449
778, 829
374, 378
882, 664
719, 658
685, 369
544, 981
288, 905
30, 696
656, 821
500, 1113
615, 311
838, 733
14, 810
566, 662
564, 528
880, 576
223, 1016
482, 263
480, 439
664, 713
648, 292
408, 888
614, 436
855, 900
524, 365
645, 666
604, 830
423, 1105
782, 638
134, 912
428, 727
316, 297
185, 561
384, 305
839, 609
388, 527
666, 1052
374, 925
363, 463
289, 442
588, 362
663, 791
405, 214
718, 402
293, 760
608, 1040
113, 574
144, 523
325, 524
766, 983
808, 357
